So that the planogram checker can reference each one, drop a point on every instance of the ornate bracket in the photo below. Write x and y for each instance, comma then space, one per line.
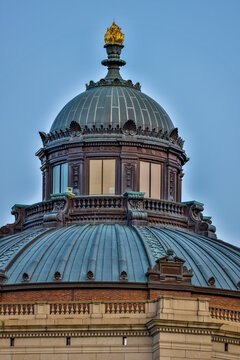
200, 224
56, 218
136, 215
19, 211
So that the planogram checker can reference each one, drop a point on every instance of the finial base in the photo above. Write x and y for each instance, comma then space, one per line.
113, 62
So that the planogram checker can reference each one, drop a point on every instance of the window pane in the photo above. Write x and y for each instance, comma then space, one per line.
95, 177
144, 177
108, 177
56, 179
155, 181
64, 177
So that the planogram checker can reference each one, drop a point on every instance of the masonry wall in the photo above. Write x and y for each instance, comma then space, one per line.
169, 328
111, 295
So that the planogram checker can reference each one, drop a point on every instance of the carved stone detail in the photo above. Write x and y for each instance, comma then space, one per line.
170, 269
129, 176
58, 205
19, 211
75, 170
129, 128
172, 185
75, 129
136, 214
44, 184
57, 217
198, 223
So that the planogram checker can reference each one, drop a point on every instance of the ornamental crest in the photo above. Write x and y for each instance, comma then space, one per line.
114, 35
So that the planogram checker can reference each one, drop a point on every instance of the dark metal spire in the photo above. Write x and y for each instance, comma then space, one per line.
113, 62
114, 39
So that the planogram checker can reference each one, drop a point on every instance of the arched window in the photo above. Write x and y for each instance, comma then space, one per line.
102, 177
150, 179
60, 178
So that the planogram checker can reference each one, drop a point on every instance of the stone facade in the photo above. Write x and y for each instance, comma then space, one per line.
170, 327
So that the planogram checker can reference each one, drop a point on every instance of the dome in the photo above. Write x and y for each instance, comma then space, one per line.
106, 253
113, 101
113, 106
112, 263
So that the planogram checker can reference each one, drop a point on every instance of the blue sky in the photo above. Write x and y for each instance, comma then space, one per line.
185, 54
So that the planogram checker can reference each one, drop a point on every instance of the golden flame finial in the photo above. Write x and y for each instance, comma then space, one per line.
114, 35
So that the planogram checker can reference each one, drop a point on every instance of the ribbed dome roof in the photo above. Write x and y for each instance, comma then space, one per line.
113, 105
108, 250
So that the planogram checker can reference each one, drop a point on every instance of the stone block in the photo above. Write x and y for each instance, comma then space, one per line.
112, 356
191, 354
139, 341
234, 349
81, 357
172, 353
83, 341
5, 356
138, 356
3, 343
52, 356
109, 341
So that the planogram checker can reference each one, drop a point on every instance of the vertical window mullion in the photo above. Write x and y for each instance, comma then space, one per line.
64, 177
150, 180
60, 179
102, 180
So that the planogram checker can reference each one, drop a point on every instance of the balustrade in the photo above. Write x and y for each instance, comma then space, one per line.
164, 206
69, 308
40, 208
97, 202
125, 308
110, 207
225, 314
17, 309
75, 308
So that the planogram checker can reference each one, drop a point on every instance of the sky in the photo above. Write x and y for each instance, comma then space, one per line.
185, 54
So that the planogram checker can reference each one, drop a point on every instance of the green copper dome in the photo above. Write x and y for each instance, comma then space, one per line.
113, 101
106, 251
113, 106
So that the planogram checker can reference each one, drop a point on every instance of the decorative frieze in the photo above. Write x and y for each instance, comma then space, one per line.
76, 131
182, 330
225, 339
